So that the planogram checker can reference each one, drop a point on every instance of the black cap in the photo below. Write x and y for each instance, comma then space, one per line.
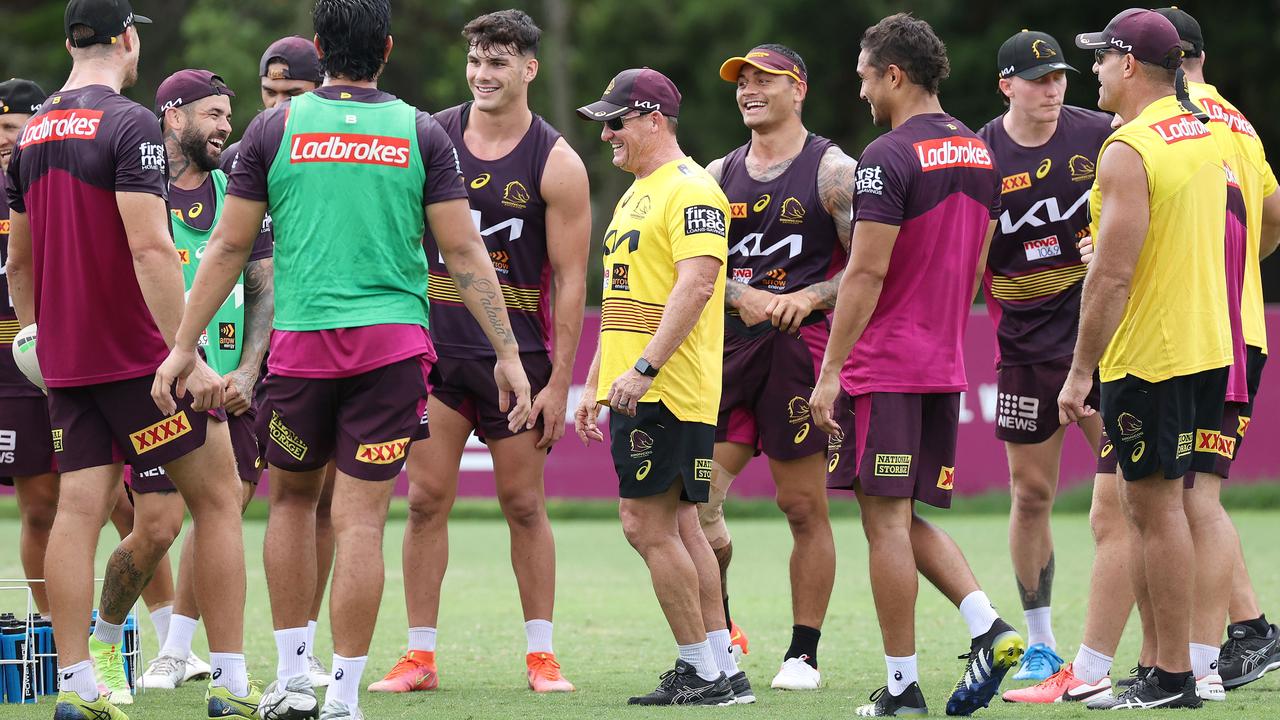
1188, 30
107, 18
1030, 55
20, 96
643, 89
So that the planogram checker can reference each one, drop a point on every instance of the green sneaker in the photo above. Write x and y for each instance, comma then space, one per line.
72, 707
108, 664
223, 704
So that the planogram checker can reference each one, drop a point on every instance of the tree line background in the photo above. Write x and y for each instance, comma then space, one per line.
585, 42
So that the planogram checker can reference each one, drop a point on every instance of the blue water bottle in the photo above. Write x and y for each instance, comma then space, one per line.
42, 632
12, 635
130, 647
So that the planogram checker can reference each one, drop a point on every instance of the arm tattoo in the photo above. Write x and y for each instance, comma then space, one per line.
122, 585
836, 174
733, 291
488, 297
259, 301
824, 293
715, 167
1038, 596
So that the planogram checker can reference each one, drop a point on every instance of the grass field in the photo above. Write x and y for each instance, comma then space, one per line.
612, 641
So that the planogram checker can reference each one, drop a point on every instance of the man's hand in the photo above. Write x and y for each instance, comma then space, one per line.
754, 306
550, 405
1085, 246
584, 418
510, 378
788, 311
237, 395
1075, 390
822, 404
181, 373
626, 391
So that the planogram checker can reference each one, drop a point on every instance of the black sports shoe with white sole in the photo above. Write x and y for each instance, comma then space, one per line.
683, 686
742, 692
1247, 656
1146, 694
884, 704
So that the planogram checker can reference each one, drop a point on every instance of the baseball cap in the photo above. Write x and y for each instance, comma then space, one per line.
1144, 34
299, 57
1030, 55
643, 89
1188, 30
767, 60
20, 96
107, 18
187, 86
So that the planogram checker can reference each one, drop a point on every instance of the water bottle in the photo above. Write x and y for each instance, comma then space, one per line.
42, 632
12, 645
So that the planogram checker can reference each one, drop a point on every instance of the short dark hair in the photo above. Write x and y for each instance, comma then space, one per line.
789, 54
504, 28
912, 45
353, 36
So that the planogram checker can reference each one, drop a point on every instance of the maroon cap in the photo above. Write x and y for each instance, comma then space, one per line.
764, 59
187, 86
1145, 34
299, 57
642, 89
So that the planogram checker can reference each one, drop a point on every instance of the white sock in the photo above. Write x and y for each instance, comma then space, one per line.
291, 653
229, 672
699, 655
538, 635
1090, 665
107, 633
725, 662
79, 678
902, 672
160, 618
423, 639
1040, 627
311, 637
346, 679
181, 630
1204, 659
978, 613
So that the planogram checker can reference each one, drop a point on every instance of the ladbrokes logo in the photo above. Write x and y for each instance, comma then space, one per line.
953, 152
349, 148
161, 433
382, 453
62, 125
1233, 118
1179, 128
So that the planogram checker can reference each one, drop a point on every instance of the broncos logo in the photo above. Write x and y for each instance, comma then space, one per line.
1130, 426
640, 442
798, 409
515, 195
791, 212
1082, 168
1042, 50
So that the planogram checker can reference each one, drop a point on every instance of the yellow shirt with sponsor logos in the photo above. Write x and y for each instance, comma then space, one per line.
1244, 153
1176, 320
675, 213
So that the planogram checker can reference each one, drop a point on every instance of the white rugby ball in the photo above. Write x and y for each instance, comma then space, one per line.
24, 354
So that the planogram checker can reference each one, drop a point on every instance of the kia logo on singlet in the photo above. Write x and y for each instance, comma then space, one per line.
349, 148
1179, 128
953, 152
74, 124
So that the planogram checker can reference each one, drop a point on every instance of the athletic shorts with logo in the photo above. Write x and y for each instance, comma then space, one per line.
468, 388
655, 449
26, 444
896, 445
244, 445
1157, 427
1027, 400
771, 375
364, 422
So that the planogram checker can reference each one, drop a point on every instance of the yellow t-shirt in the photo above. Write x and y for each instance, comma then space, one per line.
1176, 320
1244, 153
675, 213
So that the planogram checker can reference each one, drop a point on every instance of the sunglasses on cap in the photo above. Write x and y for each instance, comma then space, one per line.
616, 124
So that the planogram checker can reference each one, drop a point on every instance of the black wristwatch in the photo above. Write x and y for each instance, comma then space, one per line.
644, 368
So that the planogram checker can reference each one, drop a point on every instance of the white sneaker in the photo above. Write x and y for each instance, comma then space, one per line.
164, 673
294, 701
338, 710
796, 674
319, 676
1210, 687
197, 669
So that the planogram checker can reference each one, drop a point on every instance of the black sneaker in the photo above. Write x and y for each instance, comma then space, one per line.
742, 693
1136, 673
990, 657
1146, 693
1247, 656
683, 686
883, 704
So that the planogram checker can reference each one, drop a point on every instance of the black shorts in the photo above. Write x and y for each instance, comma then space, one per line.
1027, 400
1160, 427
654, 448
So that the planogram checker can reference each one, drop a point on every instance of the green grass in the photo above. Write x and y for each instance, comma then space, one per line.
612, 640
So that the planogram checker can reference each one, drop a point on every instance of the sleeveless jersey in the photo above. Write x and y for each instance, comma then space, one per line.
508, 209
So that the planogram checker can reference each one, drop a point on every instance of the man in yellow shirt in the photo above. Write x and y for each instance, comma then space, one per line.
661, 342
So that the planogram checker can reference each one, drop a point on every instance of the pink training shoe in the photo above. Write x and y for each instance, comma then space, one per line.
544, 674
1062, 686
415, 671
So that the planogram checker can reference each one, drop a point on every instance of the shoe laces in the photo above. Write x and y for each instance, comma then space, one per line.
545, 665
404, 665
970, 659
1231, 650
167, 665
1040, 658
878, 693
113, 672
666, 680
1057, 680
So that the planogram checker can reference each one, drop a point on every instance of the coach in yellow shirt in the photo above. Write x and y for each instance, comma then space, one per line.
1154, 319
658, 368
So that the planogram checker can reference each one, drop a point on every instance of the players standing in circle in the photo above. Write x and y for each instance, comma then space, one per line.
349, 348
1045, 152
1159, 205
789, 196
91, 159
927, 194
658, 368
529, 197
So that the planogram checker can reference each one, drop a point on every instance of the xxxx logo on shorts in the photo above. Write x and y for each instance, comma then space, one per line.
382, 453
287, 439
1215, 442
947, 478
161, 433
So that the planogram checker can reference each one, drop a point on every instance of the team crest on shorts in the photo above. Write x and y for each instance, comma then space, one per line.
1130, 426
641, 444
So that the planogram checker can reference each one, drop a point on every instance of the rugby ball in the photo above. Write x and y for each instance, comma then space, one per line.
24, 354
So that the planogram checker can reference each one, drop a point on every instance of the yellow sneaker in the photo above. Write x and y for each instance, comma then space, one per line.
72, 707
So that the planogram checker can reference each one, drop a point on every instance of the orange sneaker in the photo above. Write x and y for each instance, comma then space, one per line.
737, 641
415, 671
544, 674
1062, 686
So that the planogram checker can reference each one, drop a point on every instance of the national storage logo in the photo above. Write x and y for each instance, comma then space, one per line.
349, 148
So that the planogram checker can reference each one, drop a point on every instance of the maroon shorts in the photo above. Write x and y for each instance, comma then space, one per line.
896, 445
364, 423
96, 425
766, 402
467, 387
1237, 416
1027, 403
244, 444
26, 444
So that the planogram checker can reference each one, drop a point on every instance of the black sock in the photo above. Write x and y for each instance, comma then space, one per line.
1259, 625
1171, 681
804, 641
728, 621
